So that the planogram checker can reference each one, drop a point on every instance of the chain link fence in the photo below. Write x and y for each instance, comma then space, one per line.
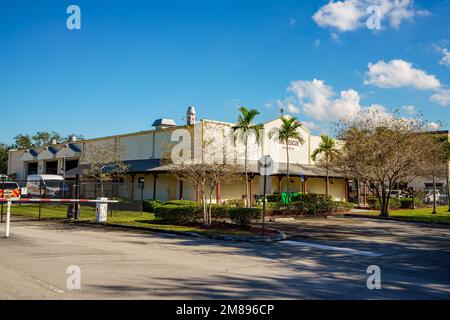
421, 197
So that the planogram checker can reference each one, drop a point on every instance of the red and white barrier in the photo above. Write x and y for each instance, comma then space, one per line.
101, 210
32, 200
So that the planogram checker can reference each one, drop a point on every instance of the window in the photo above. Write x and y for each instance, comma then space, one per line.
51, 167
32, 168
71, 164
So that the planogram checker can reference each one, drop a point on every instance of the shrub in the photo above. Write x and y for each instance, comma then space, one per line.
150, 205
181, 203
178, 214
234, 203
244, 216
407, 203
273, 198
374, 203
314, 204
342, 205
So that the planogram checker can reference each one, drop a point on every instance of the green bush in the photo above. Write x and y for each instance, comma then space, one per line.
314, 204
342, 205
244, 216
150, 205
273, 198
407, 203
179, 214
374, 203
234, 203
193, 212
181, 203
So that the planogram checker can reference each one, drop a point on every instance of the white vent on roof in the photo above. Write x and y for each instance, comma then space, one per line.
164, 123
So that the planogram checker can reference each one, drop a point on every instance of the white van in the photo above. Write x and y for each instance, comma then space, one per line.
46, 185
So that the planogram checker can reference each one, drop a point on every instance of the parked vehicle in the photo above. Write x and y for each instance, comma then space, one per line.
9, 189
429, 196
398, 194
46, 185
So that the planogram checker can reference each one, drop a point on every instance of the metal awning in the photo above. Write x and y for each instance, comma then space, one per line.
281, 169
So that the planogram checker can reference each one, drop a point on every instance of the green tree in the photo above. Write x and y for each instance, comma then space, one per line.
286, 133
43, 138
244, 129
4, 158
327, 150
23, 141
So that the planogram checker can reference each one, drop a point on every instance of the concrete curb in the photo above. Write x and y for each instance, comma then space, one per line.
440, 223
279, 237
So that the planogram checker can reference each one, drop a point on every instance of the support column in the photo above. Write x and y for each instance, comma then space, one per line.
131, 190
181, 189
155, 177
218, 193
365, 194
197, 194
347, 195
279, 183
251, 191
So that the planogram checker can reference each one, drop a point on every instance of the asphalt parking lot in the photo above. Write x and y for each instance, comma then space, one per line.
322, 259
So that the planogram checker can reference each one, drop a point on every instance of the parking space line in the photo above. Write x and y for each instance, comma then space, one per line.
330, 248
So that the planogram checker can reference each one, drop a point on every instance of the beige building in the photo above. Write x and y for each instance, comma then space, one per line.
147, 154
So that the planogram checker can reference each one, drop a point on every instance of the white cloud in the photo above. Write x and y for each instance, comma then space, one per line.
292, 22
441, 97
288, 105
446, 57
344, 16
311, 125
410, 110
434, 126
335, 37
317, 43
319, 101
399, 73
349, 15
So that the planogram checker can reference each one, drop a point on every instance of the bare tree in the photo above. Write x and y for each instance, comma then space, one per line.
206, 178
382, 150
104, 162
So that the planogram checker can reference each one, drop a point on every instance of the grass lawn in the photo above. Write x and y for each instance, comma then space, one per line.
124, 218
423, 214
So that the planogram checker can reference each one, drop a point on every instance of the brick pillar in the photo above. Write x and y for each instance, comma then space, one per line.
218, 193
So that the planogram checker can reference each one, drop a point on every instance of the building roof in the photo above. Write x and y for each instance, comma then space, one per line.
142, 165
280, 169
33, 152
74, 148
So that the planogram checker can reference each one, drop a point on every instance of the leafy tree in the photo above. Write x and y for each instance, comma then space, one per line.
4, 158
288, 132
43, 138
382, 150
328, 150
243, 130
23, 141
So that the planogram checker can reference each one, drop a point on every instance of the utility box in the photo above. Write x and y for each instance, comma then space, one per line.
101, 210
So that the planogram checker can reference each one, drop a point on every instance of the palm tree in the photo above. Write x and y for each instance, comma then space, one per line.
287, 132
329, 150
243, 129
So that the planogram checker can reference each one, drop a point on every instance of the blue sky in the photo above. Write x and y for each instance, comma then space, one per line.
135, 61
